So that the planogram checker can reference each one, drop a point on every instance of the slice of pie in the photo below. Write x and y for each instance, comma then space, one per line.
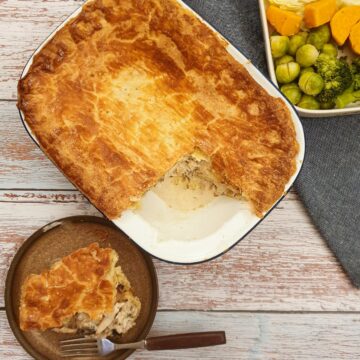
129, 89
84, 292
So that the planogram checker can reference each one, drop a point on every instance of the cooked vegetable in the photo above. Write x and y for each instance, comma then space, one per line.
356, 82
343, 21
309, 102
328, 105
319, 36
355, 69
285, 22
303, 34
296, 41
306, 70
279, 45
319, 12
284, 60
330, 49
336, 74
307, 55
286, 73
355, 38
347, 97
356, 64
311, 83
292, 92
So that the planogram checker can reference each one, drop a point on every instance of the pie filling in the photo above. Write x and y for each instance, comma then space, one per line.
192, 184
123, 317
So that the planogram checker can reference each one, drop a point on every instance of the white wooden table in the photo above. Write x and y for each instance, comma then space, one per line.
279, 294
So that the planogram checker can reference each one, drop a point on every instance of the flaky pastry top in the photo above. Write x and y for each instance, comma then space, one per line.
128, 88
83, 282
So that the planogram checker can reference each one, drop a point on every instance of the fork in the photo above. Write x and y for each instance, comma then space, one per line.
85, 347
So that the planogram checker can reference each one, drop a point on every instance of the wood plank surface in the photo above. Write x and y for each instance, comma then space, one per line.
250, 336
282, 265
22, 163
24, 26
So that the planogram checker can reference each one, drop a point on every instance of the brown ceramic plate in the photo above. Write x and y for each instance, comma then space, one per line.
60, 238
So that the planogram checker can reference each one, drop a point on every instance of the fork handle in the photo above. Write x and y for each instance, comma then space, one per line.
185, 341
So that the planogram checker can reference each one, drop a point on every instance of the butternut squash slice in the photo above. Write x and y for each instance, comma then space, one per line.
285, 22
343, 21
355, 38
319, 12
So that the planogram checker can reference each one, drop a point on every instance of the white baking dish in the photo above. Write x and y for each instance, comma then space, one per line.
350, 110
203, 234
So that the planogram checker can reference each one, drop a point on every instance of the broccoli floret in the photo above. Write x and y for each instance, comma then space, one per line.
337, 76
356, 65
355, 68
352, 93
330, 91
357, 81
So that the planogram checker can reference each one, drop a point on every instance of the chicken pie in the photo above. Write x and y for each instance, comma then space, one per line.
129, 89
83, 292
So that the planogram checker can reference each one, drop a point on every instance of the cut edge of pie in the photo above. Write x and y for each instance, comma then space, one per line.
192, 184
85, 292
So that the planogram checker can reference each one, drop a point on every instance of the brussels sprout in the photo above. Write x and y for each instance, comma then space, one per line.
279, 46
309, 102
303, 34
286, 73
307, 70
328, 105
295, 42
284, 60
311, 83
307, 55
319, 36
292, 92
330, 49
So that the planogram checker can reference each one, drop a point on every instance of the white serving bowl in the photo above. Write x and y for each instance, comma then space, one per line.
349, 110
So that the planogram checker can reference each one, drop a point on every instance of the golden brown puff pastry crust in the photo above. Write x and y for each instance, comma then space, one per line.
83, 282
128, 88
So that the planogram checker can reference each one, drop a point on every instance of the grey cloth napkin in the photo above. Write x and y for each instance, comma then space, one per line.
329, 183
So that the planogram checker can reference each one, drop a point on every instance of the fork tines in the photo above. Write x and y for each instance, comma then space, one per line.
79, 340
80, 347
